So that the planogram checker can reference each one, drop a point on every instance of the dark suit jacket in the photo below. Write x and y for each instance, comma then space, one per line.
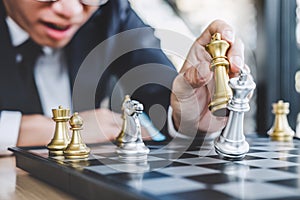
128, 63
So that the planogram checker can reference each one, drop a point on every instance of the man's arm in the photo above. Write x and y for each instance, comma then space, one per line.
145, 71
9, 129
193, 87
35, 130
100, 125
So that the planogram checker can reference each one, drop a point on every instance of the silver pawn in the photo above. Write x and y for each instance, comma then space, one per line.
231, 143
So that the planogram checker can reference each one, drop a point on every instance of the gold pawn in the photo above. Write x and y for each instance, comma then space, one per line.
76, 148
281, 130
61, 137
220, 66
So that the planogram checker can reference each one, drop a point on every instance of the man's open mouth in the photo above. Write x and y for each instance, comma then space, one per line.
57, 26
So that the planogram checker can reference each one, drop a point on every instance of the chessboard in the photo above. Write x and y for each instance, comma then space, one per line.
270, 170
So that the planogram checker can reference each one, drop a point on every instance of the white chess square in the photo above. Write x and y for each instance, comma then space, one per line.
271, 154
201, 161
187, 171
160, 186
256, 190
264, 175
267, 163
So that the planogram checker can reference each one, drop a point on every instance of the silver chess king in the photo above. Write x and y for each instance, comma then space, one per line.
231, 143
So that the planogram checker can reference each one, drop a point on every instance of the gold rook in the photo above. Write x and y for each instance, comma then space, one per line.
61, 137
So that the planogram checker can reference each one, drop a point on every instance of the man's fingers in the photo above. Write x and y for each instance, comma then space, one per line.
217, 26
236, 56
196, 70
236, 51
198, 76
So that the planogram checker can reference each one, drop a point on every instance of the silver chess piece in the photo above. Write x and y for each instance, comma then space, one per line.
130, 141
231, 143
297, 134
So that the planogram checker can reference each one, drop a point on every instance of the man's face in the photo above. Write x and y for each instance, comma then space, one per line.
49, 23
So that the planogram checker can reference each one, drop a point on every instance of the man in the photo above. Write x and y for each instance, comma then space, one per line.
68, 30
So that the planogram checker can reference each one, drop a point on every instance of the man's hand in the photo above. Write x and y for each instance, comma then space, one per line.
35, 130
100, 125
192, 88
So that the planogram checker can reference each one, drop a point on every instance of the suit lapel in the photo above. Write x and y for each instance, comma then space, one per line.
13, 95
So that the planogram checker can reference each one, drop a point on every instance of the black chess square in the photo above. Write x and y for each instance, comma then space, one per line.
214, 178
198, 194
293, 183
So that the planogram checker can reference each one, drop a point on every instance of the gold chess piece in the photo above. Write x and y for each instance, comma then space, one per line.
76, 149
61, 137
281, 130
220, 66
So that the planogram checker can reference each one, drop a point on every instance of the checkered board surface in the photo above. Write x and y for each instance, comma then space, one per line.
270, 170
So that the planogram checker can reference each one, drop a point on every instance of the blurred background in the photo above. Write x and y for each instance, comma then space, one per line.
270, 31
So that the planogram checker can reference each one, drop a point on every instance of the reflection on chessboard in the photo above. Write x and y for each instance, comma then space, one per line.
196, 173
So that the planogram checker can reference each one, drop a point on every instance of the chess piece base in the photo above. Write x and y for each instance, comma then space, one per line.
77, 152
219, 107
57, 147
231, 150
77, 157
54, 153
227, 156
281, 137
132, 149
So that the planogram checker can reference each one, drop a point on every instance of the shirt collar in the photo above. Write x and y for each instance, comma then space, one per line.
19, 35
